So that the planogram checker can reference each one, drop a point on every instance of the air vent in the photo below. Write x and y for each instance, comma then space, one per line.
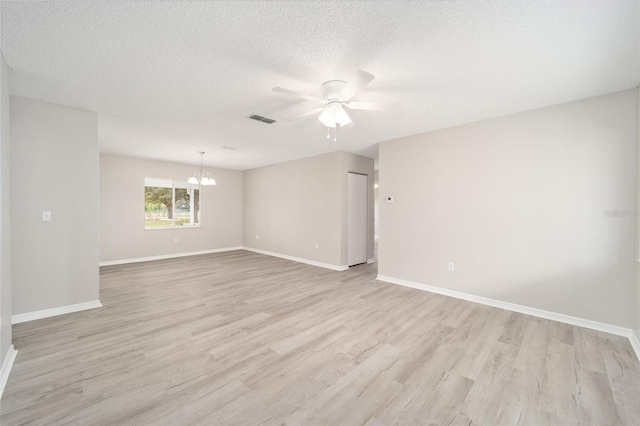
261, 118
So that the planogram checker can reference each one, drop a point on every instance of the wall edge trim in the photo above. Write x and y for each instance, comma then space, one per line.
7, 365
165, 256
52, 312
635, 343
298, 259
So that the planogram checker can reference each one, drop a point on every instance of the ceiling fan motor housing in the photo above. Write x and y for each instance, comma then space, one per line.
331, 89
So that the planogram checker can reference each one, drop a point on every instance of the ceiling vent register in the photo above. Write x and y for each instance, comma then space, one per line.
261, 118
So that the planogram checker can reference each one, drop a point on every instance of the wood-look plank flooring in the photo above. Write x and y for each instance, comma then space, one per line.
243, 338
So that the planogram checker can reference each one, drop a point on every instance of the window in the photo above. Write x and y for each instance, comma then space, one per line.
170, 204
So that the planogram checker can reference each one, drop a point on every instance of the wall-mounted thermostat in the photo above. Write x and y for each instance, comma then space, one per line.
389, 200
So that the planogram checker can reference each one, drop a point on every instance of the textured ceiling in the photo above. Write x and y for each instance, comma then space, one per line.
172, 78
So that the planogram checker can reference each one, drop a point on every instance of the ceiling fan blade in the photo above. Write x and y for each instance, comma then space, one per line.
302, 115
372, 106
349, 121
357, 82
299, 95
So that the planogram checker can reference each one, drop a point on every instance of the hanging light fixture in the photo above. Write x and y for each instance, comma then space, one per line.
334, 115
201, 178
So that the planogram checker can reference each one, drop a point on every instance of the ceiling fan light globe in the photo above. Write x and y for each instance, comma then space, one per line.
341, 117
328, 117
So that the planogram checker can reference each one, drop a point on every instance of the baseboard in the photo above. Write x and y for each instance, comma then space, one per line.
7, 365
166, 256
195, 253
46, 313
635, 344
298, 259
370, 261
527, 310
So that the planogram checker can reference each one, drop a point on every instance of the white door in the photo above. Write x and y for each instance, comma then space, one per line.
357, 219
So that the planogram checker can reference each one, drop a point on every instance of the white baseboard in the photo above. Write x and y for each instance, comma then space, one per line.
166, 256
370, 261
298, 259
635, 344
194, 253
46, 313
527, 310
6, 368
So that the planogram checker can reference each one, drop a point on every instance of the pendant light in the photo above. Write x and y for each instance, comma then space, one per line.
201, 178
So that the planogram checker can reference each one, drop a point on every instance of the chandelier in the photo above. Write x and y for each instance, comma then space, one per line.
201, 178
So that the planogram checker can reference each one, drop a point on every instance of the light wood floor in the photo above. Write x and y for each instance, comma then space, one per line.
242, 338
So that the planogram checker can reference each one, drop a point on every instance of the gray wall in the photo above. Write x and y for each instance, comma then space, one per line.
363, 165
54, 166
518, 203
294, 205
637, 235
122, 210
376, 205
5, 215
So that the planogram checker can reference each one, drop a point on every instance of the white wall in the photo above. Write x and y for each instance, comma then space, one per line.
122, 233
518, 203
55, 167
5, 215
294, 205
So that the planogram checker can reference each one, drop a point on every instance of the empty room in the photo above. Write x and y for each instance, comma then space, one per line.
320, 212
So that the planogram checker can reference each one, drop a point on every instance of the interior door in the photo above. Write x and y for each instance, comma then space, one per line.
357, 207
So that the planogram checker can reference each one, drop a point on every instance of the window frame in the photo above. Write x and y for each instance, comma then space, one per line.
175, 184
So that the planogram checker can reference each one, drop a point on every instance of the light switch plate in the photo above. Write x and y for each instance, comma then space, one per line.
46, 216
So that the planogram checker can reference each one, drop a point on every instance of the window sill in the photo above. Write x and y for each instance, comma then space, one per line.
167, 228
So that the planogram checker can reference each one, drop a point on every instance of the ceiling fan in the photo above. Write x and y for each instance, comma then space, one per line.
337, 94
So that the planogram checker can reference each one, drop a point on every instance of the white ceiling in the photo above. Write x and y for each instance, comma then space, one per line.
172, 78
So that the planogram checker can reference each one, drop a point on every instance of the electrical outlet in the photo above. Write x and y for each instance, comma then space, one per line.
451, 266
257, 237
316, 245
175, 240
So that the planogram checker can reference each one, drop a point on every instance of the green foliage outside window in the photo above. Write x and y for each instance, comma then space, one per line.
170, 204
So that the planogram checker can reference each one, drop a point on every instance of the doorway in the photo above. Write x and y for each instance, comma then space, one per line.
357, 206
